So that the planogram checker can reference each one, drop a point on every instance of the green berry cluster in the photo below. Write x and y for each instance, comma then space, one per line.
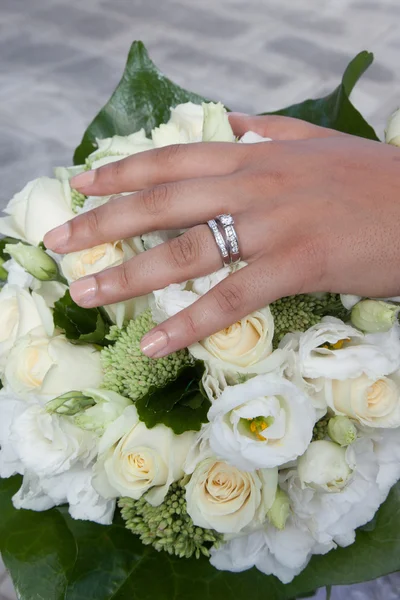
320, 431
168, 526
128, 371
77, 200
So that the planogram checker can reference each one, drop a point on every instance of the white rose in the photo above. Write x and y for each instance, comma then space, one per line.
134, 460
50, 367
335, 350
392, 132
223, 498
374, 402
333, 517
73, 487
42, 205
49, 444
19, 314
184, 126
244, 345
262, 423
117, 147
283, 553
324, 467
93, 260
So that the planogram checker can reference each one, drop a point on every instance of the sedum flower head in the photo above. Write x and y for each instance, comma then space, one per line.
128, 371
299, 313
168, 526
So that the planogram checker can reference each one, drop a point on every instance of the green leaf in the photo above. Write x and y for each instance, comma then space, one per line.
179, 405
52, 556
85, 325
143, 98
335, 110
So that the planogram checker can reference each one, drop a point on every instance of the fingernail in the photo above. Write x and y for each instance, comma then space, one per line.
84, 290
82, 180
58, 237
154, 344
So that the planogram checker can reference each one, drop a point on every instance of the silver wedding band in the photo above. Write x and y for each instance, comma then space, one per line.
223, 229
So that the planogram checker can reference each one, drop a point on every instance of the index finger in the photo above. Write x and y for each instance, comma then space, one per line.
161, 165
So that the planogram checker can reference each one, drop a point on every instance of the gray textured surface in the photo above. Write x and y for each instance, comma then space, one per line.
61, 59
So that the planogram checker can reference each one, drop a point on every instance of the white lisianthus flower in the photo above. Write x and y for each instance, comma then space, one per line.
19, 314
49, 444
11, 407
134, 460
262, 423
374, 402
49, 367
283, 553
335, 350
333, 517
118, 147
324, 467
72, 487
42, 205
392, 132
93, 260
216, 126
184, 126
223, 498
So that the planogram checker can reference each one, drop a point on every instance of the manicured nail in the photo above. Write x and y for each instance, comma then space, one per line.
84, 290
154, 344
58, 237
83, 180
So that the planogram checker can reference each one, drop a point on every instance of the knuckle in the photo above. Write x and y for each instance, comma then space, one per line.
310, 261
229, 298
184, 250
123, 277
156, 199
190, 325
170, 155
90, 222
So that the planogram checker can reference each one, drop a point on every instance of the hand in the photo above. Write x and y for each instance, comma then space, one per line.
314, 210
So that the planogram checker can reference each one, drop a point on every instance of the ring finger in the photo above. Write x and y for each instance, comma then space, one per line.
191, 255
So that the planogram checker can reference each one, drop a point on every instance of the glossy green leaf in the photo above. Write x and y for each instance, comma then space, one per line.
84, 325
335, 110
143, 98
51, 556
180, 404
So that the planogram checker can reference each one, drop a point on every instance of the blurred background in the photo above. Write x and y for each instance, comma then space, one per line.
61, 59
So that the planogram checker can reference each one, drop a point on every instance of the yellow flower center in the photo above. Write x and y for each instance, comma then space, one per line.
258, 425
337, 345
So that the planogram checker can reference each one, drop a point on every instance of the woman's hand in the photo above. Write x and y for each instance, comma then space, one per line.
314, 210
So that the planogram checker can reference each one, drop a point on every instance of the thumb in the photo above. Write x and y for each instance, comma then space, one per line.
277, 127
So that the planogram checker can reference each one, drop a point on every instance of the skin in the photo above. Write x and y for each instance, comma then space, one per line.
315, 210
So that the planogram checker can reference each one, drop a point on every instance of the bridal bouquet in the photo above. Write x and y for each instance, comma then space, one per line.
272, 444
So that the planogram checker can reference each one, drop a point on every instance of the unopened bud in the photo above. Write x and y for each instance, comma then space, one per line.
374, 316
34, 260
342, 431
280, 510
